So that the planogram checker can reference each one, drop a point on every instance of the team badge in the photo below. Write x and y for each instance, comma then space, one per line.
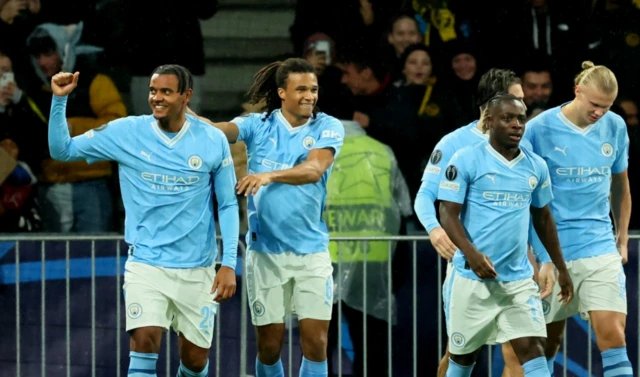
195, 162
258, 309
533, 182
451, 173
458, 339
308, 142
134, 311
546, 307
607, 150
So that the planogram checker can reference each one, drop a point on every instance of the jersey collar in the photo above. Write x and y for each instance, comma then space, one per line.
504, 161
170, 142
288, 126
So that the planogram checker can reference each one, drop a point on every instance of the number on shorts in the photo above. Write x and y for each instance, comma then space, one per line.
207, 313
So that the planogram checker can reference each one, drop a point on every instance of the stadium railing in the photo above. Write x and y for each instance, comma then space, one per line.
43, 270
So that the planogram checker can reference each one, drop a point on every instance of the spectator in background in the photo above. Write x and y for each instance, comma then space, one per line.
160, 32
75, 196
320, 51
403, 32
19, 122
17, 21
18, 208
366, 196
355, 25
628, 110
463, 80
538, 89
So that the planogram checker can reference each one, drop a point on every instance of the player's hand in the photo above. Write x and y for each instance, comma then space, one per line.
546, 279
623, 250
63, 83
566, 287
224, 285
362, 119
250, 184
442, 243
481, 265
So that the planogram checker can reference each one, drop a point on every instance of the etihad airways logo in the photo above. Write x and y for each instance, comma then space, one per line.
165, 182
583, 174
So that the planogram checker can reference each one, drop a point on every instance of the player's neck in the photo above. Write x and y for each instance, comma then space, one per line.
173, 125
508, 153
294, 121
570, 112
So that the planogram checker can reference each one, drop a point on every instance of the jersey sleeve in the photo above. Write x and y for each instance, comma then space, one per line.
424, 205
332, 136
621, 162
224, 180
542, 193
99, 144
247, 126
456, 178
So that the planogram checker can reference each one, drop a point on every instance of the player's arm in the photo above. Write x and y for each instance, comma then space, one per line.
452, 194
424, 205
318, 161
94, 145
621, 194
230, 129
224, 178
545, 227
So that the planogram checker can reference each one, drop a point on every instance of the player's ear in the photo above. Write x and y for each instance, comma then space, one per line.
281, 93
187, 96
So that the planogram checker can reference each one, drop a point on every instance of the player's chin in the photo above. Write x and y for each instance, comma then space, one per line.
305, 111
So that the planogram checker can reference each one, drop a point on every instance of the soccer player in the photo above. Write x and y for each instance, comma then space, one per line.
169, 164
291, 149
489, 194
492, 83
586, 148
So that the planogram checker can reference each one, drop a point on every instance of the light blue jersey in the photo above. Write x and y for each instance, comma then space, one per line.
444, 150
496, 195
581, 162
166, 182
285, 217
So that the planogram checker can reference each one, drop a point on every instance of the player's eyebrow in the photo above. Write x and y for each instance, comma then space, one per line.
597, 104
163, 89
304, 87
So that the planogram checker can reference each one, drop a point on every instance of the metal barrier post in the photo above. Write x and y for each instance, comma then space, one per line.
18, 361
390, 312
414, 308
43, 309
364, 313
339, 289
118, 320
68, 306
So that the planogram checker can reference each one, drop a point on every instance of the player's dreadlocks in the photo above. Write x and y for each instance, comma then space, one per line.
492, 103
267, 81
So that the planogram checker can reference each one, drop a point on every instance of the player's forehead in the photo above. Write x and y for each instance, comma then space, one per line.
511, 107
307, 79
516, 90
597, 97
163, 81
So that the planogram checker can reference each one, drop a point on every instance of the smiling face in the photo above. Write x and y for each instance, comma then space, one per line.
165, 100
300, 95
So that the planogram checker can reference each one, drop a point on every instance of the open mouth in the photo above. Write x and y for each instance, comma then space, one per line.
515, 137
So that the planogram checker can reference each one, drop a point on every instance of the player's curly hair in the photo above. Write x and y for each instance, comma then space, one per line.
185, 80
267, 81
598, 76
492, 103
495, 82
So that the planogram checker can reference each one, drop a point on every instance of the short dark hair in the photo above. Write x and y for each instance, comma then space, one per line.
41, 45
494, 102
413, 48
273, 76
185, 80
363, 60
495, 82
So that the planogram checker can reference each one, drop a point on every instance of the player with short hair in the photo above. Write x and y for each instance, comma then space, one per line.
169, 163
490, 193
492, 83
586, 148
291, 149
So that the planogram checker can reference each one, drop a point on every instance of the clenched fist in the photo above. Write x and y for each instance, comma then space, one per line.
63, 83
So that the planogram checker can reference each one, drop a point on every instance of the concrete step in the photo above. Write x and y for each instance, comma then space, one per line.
242, 50
248, 23
230, 78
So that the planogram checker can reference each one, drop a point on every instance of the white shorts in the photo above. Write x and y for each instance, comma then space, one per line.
287, 283
176, 297
482, 313
599, 284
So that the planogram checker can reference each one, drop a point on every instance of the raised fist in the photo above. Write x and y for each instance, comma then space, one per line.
63, 83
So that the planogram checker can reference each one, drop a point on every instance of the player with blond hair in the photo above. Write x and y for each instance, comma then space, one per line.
586, 148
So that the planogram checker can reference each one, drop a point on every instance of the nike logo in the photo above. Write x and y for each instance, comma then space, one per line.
563, 150
147, 155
